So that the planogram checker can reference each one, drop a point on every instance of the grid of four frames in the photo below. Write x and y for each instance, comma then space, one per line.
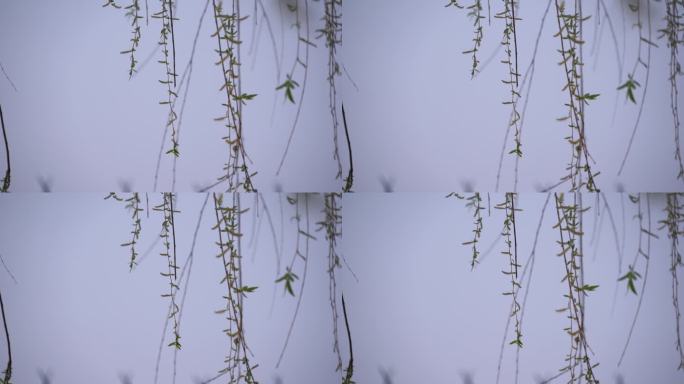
329, 191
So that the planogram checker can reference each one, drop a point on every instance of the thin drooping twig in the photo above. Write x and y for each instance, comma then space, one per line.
2, 260
643, 97
189, 263
228, 227
146, 61
301, 95
529, 73
569, 225
647, 255
332, 32
530, 265
672, 224
554, 377
530, 262
149, 250
169, 78
570, 38
187, 267
515, 42
274, 237
350, 366
173, 44
8, 172
187, 74
8, 369
349, 181
301, 289
613, 36
270, 33
8, 78
228, 32
168, 227
511, 252
618, 251
331, 223
672, 33
173, 235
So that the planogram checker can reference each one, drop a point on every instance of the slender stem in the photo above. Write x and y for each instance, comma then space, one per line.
8, 370
350, 367
173, 234
173, 43
6, 180
350, 177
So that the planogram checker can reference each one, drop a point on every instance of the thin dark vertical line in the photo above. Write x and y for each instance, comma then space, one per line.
350, 367
350, 176
8, 371
6, 182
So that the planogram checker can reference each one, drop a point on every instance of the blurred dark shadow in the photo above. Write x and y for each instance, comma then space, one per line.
467, 186
45, 184
44, 376
467, 378
125, 378
125, 186
387, 184
386, 375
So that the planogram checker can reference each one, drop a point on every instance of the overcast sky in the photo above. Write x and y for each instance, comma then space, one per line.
416, 119
417, 311
419, 126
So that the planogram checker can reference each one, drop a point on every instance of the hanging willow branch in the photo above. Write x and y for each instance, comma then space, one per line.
166, 38
569, 226
227, 35
168, 237
570, 37
132, 204
332, 33
672, 222
331, 224
238, 367
475, 202
510, 44
674, 12
133, 11
510, 236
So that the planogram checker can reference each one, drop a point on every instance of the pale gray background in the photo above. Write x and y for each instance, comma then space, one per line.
416, 118
417, 310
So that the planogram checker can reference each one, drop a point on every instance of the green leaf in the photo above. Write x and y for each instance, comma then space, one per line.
173, 151
589, 96
632, 276
629, 86
247, 289
288, 85
246, 96
288, 278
